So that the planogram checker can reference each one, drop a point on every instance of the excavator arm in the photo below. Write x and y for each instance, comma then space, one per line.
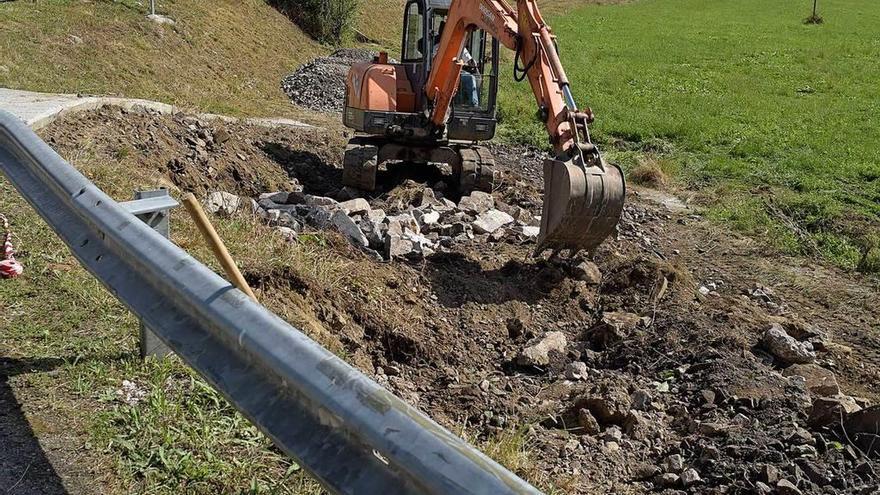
583, 197
523, 31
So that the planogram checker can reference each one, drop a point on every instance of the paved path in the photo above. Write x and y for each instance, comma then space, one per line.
38, 110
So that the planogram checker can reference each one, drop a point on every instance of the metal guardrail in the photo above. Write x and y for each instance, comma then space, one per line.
346, 430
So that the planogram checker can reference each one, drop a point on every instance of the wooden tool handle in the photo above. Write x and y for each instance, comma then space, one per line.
220, 252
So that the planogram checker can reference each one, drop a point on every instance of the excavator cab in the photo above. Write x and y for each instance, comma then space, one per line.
473, 108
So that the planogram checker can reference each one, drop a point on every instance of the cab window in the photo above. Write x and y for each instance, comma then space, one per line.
414, 33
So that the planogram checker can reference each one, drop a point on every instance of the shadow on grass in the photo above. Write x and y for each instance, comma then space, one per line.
24, 466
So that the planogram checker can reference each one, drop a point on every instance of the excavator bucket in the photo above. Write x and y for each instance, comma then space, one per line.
581, 205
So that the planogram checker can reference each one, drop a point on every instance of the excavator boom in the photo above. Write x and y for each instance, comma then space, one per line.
583, 196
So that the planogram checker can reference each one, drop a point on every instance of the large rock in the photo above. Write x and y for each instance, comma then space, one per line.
826, 411
310, 200
609, 403
374, 232
397, 247
586, 271
614, 327
477, 202
349, 228
320, 216
398, 224
490, 221
537, 353
428, 198
223, 203
355, 206
281, 197
522, 216
426, 217
819, 381
375, 215
863, 426
786, 348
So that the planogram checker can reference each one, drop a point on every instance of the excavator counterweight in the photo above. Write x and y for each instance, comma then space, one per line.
439, 102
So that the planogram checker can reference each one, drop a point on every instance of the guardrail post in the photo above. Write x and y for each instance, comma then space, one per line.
153, 207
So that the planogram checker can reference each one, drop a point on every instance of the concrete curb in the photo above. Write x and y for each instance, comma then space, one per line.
38, 110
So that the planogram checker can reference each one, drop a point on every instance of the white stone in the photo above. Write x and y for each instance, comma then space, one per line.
491, 220
354, 206
375, 215
286, 233
477, 202
787, 348
222, 203
319, 201
538, 352
528, 231
161, 19
428, 218
577, 371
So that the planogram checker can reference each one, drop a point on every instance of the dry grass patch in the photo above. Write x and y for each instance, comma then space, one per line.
650, 172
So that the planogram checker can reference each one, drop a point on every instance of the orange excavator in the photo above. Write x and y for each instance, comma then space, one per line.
439, 102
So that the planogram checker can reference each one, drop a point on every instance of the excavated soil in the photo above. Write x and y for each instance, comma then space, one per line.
669, 335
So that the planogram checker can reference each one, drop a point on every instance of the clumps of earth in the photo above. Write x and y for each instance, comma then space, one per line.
320, 84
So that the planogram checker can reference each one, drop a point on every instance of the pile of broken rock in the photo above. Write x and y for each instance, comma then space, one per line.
413, 230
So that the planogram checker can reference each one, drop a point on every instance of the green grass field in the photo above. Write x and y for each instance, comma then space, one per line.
772, 123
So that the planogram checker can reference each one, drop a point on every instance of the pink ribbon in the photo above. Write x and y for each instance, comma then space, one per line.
9, 267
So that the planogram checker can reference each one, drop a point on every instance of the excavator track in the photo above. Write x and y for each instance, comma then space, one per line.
477, 169
360, 164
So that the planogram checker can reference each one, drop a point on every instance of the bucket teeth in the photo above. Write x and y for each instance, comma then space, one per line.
581, 205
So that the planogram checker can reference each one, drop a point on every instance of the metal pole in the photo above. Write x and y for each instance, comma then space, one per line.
152, 7
153, 208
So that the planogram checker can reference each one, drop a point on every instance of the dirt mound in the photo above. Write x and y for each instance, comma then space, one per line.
645, 368
320, 84
203, 155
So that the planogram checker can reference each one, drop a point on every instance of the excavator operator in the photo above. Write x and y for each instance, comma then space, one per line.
468, 90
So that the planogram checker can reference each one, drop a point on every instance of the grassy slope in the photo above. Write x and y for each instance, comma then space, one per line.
773, 120
227, 56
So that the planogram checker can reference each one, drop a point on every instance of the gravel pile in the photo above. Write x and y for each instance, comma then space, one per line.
320, 84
